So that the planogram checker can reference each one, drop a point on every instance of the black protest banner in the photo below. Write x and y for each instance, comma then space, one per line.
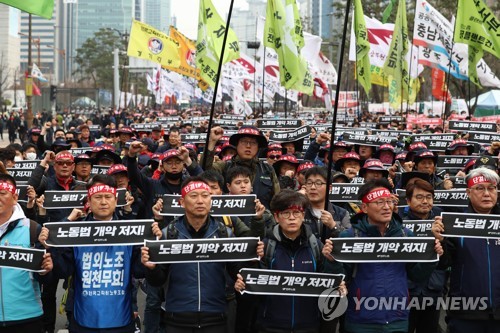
99, 170
420, 228
21, 258
222, 205
206, 249
99, 233
445, 198
483, 138
288, 283
366, 140
367, 125
356, 131
437, 145
460, 125
168, 120
75, 199
384, 249
22, 170
471, 225
265, 124
390, 133
77, 151
388, 119
423, 137
458, 182
232, 117
455, 161
22, 193
94, 128
296, 134
194, 138
145, 127
340, 192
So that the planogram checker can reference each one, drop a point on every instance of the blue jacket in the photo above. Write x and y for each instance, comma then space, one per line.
19, 290
380, 280
292, 312
193, 287
475, 268
102, 282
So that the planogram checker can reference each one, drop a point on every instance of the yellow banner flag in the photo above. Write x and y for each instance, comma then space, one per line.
211, 30
187, 54
148, 43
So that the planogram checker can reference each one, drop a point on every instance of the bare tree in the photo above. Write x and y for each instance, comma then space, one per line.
4, 76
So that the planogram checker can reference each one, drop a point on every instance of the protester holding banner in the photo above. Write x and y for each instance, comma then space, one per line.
83, 167
383, 279
247, 141
425, 161
102, 275
195, 292
323, 223
173, 140
474, 262
291, 246
62, 180
21, 309
349, 164
419, 197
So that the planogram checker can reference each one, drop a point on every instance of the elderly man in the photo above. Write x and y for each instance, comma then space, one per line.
21, 310
195, 292
475, 262
93, 310
247, 141
384, 279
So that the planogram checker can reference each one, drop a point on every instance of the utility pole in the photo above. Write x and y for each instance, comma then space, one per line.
29, 81
116, 79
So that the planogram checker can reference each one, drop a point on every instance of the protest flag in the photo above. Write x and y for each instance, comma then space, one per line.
43, 8
363, 71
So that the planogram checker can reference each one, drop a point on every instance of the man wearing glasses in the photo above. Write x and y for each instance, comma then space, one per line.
474, 262
323, 223
247, 141
383, 279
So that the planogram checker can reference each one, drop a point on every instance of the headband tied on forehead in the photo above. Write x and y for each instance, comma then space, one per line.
477, 180
101, 188
376, 194
193, 186
8, 187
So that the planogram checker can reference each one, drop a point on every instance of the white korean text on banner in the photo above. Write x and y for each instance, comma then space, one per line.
222, 205
471, 225
21, 258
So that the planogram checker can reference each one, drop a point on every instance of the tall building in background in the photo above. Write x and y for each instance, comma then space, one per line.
157, 13
9, 45
42, 43
322, 18
244, 22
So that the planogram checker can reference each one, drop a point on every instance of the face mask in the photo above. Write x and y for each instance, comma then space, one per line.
173, 176
18, 158
31, 156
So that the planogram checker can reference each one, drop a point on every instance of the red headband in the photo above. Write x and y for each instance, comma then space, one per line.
376, 194
193, 186
7, 187
293, 207
477, 180
65, 156
101, 188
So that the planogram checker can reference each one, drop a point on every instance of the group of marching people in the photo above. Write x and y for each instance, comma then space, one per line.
292, 212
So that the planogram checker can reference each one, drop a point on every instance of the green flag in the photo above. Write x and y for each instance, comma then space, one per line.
395, 65
211, 29
363, 72
43, 8
387, 11
283, 33
478, 27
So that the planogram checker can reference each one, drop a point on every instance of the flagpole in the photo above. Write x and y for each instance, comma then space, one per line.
28, 79
286, 91
335, 108
409, 78
263, 83
449, 67
214, 98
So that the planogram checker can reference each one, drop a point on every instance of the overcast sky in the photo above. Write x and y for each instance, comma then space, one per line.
186, 12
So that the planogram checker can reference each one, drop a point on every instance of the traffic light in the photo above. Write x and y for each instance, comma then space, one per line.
53, 93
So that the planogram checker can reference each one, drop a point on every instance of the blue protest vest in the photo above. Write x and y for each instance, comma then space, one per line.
103, 286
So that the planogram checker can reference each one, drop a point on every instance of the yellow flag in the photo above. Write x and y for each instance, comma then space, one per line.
148, 43
187, 54
211, 29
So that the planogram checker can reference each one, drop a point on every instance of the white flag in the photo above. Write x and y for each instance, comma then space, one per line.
37, 73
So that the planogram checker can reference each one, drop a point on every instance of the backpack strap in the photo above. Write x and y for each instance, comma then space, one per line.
228, 221
313, 243
269, 254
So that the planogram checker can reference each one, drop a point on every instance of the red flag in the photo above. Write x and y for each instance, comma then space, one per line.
36, 90
439, 88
